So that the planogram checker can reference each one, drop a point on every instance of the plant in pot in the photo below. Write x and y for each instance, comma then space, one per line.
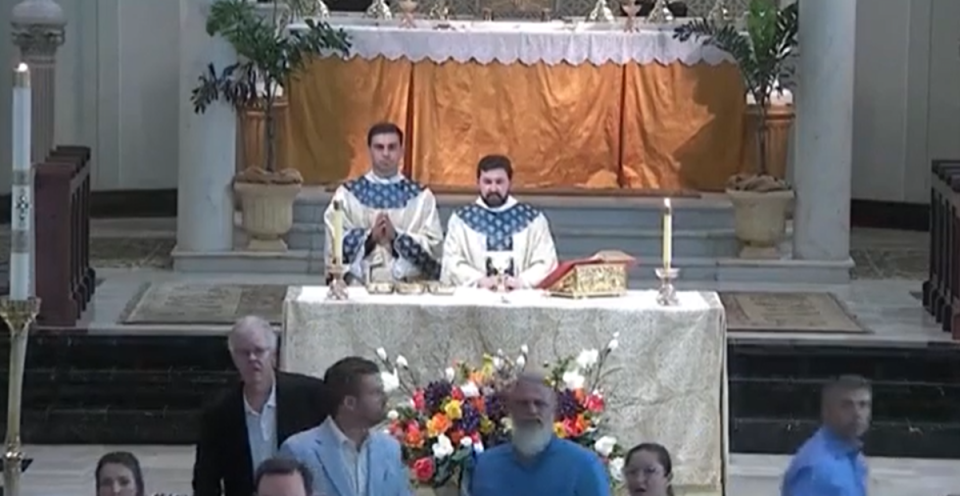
269, 56
761, 200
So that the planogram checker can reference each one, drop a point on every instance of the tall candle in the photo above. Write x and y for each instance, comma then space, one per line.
667, 233
337, 232
21, 194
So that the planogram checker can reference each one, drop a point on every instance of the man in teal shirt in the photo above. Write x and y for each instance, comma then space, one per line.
831, 462
535, 462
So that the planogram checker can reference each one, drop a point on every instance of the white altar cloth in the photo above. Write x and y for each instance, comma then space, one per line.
508, 42
666, 380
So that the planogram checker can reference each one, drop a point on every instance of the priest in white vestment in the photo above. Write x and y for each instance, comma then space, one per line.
497, 236
391, 228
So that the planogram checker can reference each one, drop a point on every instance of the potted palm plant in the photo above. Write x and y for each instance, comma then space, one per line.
760, 199
269, 56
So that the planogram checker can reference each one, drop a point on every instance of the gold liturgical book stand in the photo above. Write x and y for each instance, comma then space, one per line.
603, 274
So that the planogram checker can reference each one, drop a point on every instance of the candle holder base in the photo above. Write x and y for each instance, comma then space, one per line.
337, 289
19, 315
667, 295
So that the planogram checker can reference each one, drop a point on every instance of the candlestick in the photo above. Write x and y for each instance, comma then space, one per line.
667, 234
667, 295
337, 233
21, 194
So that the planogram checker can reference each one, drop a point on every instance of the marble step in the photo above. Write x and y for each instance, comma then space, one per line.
584, 241
710, 211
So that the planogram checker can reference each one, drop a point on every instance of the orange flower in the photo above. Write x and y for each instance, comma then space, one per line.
413, 436
575, 427
478, 404
437, 425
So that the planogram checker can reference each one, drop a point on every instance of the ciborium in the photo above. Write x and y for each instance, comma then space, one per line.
407, 7
19, 316
630, 8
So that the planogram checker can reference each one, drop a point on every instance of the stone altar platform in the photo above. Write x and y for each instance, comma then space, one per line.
704, 244
666, 381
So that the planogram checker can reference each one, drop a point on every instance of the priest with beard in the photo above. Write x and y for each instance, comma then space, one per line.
497, 239
535, 461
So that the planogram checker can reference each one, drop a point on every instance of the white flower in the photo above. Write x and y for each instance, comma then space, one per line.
466, 442
521, 361
525, 350
507, 424
587, 359
382, 353
402, 362
613, 344
470, 390
393, 415
573, 379
605, 445
443, 447
499, 352
497, 363
478, 447
616, 469
391, 382
449, 374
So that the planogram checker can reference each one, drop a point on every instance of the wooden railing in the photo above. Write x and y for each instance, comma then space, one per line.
64, 279
941, 291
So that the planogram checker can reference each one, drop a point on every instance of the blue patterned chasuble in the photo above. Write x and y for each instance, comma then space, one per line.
498, 226
388, 196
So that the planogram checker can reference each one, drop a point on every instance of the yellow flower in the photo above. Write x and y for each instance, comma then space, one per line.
486, 426
453, 409
559, 430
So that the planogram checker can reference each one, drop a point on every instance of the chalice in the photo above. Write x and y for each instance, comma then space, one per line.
630, 8
407, 7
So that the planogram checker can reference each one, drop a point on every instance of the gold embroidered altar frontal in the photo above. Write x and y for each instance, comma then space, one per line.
590, 106
666, 382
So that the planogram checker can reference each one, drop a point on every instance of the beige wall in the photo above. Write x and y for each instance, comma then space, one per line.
117, 91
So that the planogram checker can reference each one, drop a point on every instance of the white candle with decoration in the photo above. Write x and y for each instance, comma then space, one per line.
667, 233
21, 194
337, 233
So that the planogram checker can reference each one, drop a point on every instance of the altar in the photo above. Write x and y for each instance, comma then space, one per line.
574, 104
667, 380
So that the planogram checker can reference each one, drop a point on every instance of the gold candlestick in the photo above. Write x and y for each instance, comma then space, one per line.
19, 316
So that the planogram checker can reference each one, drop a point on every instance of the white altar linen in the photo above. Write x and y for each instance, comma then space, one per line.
508, 42
666, 380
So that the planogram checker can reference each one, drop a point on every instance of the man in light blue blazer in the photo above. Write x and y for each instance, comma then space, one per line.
346, 457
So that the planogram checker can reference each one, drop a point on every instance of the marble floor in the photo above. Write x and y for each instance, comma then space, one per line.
68, 471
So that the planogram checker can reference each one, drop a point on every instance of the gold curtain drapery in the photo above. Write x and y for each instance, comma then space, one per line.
650, 126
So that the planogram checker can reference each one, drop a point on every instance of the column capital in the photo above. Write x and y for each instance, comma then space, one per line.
38, 29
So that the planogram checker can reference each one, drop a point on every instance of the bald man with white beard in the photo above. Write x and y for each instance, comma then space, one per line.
246, 425
535, 461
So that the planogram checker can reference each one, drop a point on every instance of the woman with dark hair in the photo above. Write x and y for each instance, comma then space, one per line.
119, 474
648, 470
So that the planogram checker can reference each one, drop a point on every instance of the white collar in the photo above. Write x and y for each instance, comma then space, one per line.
372, 177
510, 203
271, 400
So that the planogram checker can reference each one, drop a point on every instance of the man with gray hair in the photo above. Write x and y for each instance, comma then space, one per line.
246, 425
535, 461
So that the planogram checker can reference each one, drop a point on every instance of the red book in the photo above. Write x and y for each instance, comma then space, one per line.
565, 267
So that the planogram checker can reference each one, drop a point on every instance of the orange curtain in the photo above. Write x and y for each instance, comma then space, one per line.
560, 125
683, 126
331, 107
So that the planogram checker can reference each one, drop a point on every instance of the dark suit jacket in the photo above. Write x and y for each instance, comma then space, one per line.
223, 466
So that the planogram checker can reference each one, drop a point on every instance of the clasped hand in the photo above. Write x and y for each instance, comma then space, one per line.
383, 231
510, 283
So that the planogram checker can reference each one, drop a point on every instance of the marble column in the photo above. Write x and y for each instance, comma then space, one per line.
207, 158
38, 30
824, 129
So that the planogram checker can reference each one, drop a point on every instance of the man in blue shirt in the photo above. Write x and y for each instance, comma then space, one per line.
535, 462
830, 463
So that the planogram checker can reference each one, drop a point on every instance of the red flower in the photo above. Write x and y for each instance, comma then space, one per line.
594, 403
423, 469
419, 403
456, 393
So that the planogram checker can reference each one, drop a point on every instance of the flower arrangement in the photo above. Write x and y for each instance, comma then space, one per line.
443, 424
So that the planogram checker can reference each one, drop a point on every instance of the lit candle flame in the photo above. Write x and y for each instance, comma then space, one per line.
22, 67
666, 203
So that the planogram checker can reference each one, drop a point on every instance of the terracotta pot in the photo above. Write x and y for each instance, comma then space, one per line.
760, 221
266, 213
780, 120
